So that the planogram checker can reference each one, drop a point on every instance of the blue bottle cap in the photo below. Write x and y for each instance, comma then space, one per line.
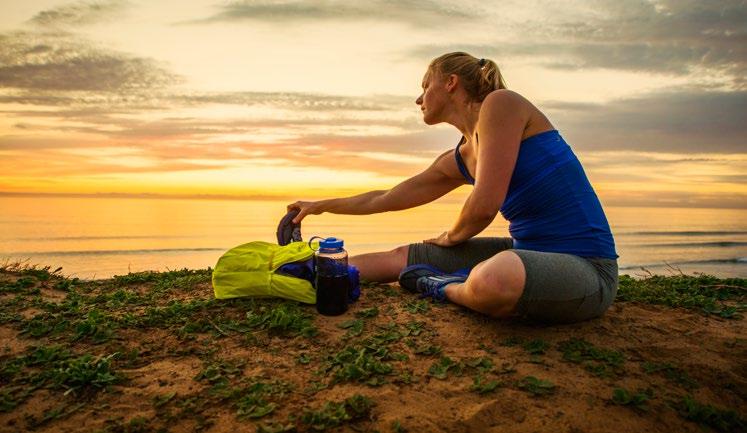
331, 244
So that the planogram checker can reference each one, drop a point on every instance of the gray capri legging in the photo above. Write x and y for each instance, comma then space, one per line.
559, 288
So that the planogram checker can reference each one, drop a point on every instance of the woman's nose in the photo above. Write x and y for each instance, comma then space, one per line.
419, 100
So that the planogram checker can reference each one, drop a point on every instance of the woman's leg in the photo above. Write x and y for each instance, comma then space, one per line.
549, 287
383, 267
493, 287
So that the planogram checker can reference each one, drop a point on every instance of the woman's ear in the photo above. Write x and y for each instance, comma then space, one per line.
451, 82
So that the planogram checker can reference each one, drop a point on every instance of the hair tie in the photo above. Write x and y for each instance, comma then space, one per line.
481, 62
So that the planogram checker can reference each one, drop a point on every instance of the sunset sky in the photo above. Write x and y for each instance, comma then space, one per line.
313, 99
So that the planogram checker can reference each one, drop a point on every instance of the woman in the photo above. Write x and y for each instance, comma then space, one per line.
559, 265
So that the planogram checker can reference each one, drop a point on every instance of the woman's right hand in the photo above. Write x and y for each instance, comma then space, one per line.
306, 208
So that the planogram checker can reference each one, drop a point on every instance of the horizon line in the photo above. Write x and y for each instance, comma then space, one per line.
279, 197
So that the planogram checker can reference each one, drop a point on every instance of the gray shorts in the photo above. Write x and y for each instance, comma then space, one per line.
559, 288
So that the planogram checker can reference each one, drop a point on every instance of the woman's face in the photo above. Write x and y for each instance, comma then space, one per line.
433, 99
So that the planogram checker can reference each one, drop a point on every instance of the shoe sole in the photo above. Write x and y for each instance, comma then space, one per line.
288, 232
409, 276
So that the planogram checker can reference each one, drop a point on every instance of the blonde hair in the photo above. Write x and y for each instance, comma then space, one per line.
478, 76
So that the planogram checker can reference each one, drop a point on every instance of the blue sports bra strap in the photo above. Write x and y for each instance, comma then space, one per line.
461, 165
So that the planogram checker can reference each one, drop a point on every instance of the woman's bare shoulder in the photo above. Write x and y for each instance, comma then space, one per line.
505, 96
503, 102
508, 101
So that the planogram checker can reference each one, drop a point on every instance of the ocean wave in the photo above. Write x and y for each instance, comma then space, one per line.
688, 262
112, 252
683, 233
721, 244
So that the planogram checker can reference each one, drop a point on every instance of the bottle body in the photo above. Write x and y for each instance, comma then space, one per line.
332, 280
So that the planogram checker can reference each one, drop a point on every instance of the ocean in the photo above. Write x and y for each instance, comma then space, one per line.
94, 238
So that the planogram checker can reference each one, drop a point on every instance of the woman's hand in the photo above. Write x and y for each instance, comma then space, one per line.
306, 208
443, 240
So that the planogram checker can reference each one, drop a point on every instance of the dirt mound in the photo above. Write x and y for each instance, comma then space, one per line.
155, 352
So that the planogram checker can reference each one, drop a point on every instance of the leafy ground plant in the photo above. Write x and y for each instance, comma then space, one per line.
333, 414
704, 293
725, 420
481, 385
637, 400
537, 346
440, 368
283, 318
601, 362
536, 387
359, 364
56, 368
672, 373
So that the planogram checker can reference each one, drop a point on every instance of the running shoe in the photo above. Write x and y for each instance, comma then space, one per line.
288, 231
434, 286
409, 276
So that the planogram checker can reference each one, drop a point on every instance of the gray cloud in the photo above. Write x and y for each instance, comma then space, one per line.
79, 13
679, 121
738, 179
414, 12
300, 101
55, 61
676, 121
166, 99
673, 37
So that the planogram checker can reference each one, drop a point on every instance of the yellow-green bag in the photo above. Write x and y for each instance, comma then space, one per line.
250, 270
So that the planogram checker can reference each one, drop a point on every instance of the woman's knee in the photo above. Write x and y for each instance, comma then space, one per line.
499, 281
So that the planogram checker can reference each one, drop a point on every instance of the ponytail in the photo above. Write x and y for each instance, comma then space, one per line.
479, 77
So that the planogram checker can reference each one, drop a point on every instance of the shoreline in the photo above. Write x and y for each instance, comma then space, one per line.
718, 269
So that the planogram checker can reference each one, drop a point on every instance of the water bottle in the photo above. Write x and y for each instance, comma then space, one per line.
332, 281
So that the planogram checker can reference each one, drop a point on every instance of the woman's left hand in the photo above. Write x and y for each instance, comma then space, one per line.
443, 240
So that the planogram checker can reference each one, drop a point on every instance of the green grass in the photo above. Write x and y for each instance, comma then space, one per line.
481, 385
86, 371
276, 427
637, 400
367, 313
360, 364
177, 279
220, 371
251, 397
427, 349
536, 347
725, 420
354, 327
417, 306
333, 414
599, 361
536, 387
397, 427
707, 294
282, 318
55, 368
672, 373
445, 365
440, 369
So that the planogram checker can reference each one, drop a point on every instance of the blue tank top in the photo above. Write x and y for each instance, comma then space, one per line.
550, 204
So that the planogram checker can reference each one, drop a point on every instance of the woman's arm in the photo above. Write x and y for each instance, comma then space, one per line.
503, 117
432, 183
